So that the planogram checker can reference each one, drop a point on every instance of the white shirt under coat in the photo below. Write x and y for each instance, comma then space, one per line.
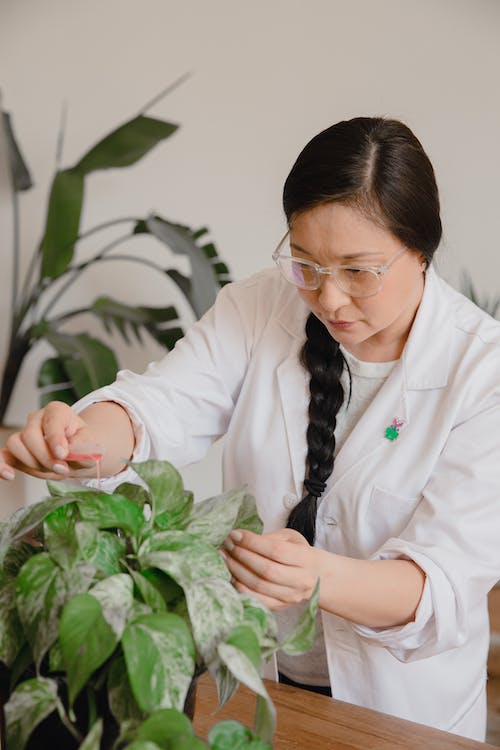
432, 495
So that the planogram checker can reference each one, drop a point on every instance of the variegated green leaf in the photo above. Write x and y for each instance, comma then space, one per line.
11, 634
164, 482
93, 740
214, 518
303, 634
59, 535
222, 611
86, 640
149, 592
244, 671
103, 549
41, 592
115, 595
111, 511
30, 703
159, 652
135, 493
24, 520
121, 700
165, 727
183, 557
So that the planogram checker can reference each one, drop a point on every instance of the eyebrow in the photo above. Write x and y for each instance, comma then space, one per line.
352, 256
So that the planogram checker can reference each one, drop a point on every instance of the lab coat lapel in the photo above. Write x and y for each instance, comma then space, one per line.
423, 365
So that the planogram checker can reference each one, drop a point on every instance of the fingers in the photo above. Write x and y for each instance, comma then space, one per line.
40, 448
285, 546
6, 463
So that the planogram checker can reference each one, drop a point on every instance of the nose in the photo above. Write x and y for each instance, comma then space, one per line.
330, 296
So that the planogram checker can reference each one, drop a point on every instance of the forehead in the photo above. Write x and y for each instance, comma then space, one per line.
335, 232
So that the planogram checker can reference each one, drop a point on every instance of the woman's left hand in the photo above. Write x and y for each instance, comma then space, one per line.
280, 568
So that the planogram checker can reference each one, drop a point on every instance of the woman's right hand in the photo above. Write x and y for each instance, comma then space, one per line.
42, 446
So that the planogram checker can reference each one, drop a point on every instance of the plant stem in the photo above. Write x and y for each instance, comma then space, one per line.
77, 270
164, 93
15, 260
36, 255
19, 346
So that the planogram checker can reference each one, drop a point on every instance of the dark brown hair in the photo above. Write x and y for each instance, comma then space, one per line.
379, 167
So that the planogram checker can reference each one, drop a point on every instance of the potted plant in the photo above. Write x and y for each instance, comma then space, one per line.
82, 363
113, 605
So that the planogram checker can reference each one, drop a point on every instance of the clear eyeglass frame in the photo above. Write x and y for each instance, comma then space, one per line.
287, 263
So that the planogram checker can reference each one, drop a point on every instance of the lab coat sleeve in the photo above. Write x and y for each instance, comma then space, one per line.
454, 537
182, 403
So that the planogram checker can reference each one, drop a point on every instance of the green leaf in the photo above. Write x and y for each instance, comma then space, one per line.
56, 663
168, 588
129, 318
303, 634
59, 534
257, 616
177, 517
149, 592
214, 518
54, 383
159, 652
222, 610
226, 682
244, 638
86, 640
183, 557
126, 145
63, 222
229, 735
11, 634
88, 362
248, 518
111, 511
204, 279
20, 552
121, 700
135, 493
41, 592
165, 728
115, 595
24, 520
139, 745
93, 740
244, 671
30, 703
164, 482
21, 178
103, 549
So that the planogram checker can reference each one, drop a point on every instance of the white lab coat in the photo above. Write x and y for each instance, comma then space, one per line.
432, 495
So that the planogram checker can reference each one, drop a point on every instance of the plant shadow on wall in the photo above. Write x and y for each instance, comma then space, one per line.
112, 605
81, 362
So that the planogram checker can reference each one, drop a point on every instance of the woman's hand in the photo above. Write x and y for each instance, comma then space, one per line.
280, 568
41, 447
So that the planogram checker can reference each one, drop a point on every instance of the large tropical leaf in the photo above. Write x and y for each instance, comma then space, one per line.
63, 222
208, 274
157, 321
126, 145
54, 383
28, 705
21, 178
88, 362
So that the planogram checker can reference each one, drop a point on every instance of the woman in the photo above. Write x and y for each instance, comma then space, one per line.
370, 441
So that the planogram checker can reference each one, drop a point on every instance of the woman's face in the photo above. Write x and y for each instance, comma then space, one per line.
375, 328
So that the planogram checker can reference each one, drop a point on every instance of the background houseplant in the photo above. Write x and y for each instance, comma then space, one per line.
112, 606
82, 363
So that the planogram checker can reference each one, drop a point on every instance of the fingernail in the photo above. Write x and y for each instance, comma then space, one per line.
59, 451
60, 469
228, 544
237, 536
6, 474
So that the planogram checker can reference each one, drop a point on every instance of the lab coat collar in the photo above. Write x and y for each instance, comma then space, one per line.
424, 364
426, 355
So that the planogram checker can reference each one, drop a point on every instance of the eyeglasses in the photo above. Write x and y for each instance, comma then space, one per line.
356, 281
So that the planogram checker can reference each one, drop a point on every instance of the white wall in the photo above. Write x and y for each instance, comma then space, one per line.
267, 75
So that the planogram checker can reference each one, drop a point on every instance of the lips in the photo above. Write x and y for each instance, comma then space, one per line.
341, 323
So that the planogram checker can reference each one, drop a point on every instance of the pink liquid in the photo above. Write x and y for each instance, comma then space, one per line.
97, 457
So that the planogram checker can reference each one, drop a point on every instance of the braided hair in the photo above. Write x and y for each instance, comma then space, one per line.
378, 167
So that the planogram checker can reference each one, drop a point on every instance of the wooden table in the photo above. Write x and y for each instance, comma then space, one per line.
310, 721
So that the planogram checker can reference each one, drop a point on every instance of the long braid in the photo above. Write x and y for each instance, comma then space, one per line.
322, 356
